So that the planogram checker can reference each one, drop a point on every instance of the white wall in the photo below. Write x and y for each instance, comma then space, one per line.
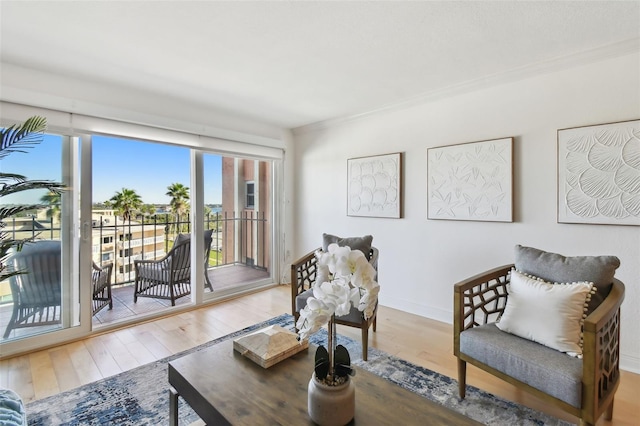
421, 259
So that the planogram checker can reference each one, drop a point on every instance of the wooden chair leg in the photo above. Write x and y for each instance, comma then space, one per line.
365, 342
375, 323
608, 415
462, 378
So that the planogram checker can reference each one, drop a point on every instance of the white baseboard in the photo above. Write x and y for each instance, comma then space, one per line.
629, 363
431, 312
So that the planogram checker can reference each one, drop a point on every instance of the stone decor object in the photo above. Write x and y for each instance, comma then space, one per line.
269, 345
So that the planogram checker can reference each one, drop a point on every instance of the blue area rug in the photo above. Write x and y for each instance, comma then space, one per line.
141, 396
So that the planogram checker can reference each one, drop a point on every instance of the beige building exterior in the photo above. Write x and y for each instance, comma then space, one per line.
121, 243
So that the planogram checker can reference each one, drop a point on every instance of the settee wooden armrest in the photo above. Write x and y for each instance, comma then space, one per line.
601, 355
481, 299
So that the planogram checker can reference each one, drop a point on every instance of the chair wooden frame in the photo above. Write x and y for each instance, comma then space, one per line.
303, 275
482, 299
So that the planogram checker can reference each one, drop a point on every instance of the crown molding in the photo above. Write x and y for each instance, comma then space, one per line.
622, 48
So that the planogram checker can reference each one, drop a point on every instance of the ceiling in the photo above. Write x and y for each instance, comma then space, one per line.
291, 64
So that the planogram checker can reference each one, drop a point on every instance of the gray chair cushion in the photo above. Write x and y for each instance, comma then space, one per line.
356, 243
354, 314
556, 268
543, 368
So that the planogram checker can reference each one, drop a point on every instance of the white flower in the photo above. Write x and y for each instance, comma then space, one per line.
344, 278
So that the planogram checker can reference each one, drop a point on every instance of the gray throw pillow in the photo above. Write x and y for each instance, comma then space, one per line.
556, 268
356, 243
180, 238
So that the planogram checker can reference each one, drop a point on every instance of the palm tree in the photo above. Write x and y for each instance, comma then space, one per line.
52, 200
126, 203
17, 138
179, 200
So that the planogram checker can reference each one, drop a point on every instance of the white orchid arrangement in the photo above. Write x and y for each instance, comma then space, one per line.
344, 278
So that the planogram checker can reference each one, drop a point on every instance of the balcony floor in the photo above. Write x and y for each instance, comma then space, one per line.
222, 278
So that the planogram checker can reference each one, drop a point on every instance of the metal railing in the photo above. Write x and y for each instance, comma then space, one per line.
237, 239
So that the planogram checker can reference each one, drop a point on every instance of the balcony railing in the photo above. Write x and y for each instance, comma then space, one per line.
238, 239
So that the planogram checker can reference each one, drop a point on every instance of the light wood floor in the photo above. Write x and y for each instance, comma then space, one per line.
419, 340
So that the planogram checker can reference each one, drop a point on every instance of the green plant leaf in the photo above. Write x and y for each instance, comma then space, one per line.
19, 136
322, 362
343, 362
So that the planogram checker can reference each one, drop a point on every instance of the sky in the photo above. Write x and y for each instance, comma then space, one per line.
148, 168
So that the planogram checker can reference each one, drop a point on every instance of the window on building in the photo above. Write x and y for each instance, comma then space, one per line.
125, 252
125, 237
250, 195
106, 257
107, 240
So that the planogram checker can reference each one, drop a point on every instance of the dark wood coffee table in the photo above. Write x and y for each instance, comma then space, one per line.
224, 388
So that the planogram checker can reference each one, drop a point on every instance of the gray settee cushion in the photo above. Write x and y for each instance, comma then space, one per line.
556, 268
356, 243
544, 368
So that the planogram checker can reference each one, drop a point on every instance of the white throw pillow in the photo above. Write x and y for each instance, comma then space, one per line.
550, 314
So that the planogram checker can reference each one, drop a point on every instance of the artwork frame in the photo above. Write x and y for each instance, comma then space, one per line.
471, 181
598, 175
374, 186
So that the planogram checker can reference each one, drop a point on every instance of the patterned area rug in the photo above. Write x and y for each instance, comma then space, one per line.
141, 396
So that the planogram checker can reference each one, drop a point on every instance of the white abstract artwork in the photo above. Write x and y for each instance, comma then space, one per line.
374, 186
471, 181
599, 174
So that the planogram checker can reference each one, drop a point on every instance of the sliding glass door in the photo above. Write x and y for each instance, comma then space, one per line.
128, 208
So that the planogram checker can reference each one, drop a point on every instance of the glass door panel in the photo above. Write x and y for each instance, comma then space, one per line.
238, 208
44, 297
140, 209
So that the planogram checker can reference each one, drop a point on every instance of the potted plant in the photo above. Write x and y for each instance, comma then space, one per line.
344, 279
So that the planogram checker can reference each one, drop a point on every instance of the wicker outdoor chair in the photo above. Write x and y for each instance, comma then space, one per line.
303, 275
167, 278
101, 284
37, 292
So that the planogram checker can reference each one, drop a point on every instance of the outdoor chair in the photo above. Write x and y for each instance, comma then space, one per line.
208, 239
37, 292
303, 275
532, 354
101, 284
167, 278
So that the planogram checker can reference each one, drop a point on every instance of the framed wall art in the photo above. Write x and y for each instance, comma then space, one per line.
599, 174
374, 187
471, 181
